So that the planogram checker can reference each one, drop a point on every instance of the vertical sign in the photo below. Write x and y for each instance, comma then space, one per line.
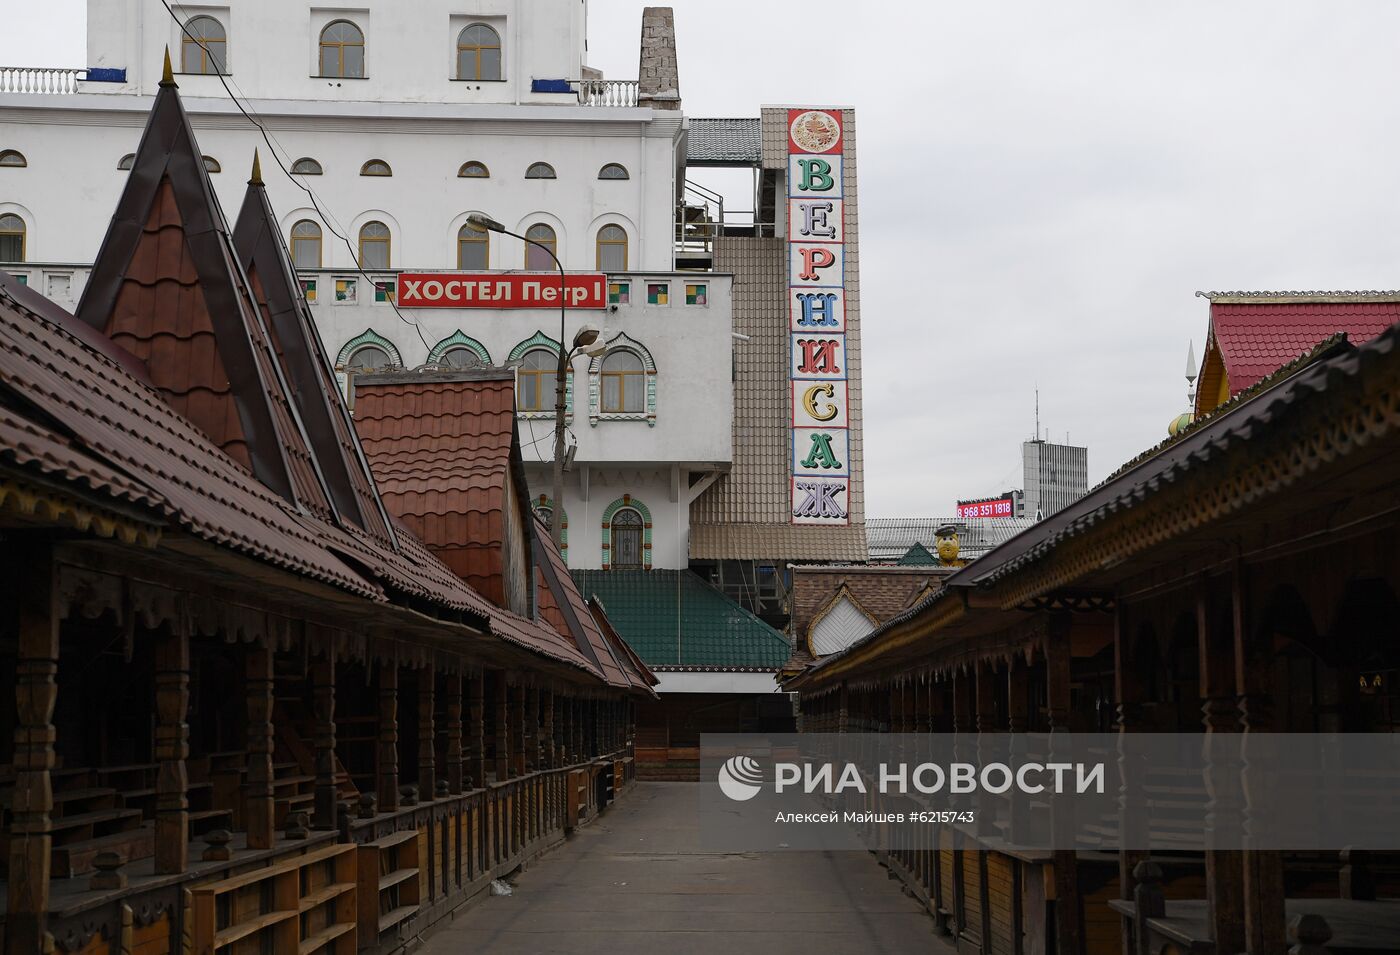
821, 470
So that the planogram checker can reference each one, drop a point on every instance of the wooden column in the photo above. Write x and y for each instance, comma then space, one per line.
502, 736
427, 733
453, 708
1224, 869
1018, 724
532, 729
323, 711
172, 748
388, 736
1264, 917
550, 751
517, 730
258, 807
1069, 916
985, 696
1131, 694
476, 729
36, 692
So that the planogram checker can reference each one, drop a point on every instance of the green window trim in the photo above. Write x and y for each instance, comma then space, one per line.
622, 342
463, 340
368, 337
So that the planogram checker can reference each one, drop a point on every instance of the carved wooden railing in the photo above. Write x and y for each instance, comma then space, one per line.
40, 79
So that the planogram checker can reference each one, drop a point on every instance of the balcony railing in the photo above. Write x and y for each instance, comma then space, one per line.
40, 79
607, 92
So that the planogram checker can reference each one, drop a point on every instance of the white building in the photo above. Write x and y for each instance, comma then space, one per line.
725, 418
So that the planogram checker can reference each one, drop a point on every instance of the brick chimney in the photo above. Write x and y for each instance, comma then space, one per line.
660, 81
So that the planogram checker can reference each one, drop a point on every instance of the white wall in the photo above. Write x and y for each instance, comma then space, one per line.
410, 48
72, 183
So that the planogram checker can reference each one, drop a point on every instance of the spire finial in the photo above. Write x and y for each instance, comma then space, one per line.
257, 170
167, 76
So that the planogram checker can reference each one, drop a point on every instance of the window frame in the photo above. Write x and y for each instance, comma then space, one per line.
6, 154
543, 380
637, 528
212, 165
126, 163
319, 169
614, 165
532, 248
388, 169
476, 361
350, 368
484, 242
530, 170
387, 239
640, 385
463, 174
200, 43
293, 240
601, 243
22, 232
500, 54
322, 43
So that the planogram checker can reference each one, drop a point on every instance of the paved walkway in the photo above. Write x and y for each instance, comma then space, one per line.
636, 880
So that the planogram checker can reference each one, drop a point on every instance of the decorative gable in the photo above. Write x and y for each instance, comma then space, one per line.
839, 625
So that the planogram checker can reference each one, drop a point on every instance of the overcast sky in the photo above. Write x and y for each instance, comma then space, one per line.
1043, 188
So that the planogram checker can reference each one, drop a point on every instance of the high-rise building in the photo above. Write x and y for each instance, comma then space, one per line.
1056, 475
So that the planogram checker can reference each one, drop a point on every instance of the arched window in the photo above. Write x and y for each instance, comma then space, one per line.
626, 526
306, 166
474, 170
623, 383
342, 50
537, 259
11, 238
212, 165
546, 514
374, 245
125, 163
540, 170
478, 53
203, 47
613, 171
368, 359
473, 248
612, 249
460, 356
306, 245
535, 380
376, 167
13, 158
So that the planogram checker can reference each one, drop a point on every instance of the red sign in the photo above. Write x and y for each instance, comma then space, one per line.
499, 290
814, 131
1001, 507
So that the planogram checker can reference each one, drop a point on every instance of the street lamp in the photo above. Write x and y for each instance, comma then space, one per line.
587, 340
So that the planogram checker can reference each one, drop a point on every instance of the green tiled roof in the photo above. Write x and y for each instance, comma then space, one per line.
917, 556
674, 618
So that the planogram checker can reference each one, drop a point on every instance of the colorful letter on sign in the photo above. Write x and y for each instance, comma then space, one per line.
816, 231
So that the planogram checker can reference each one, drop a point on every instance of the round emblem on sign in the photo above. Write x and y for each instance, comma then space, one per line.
815, 131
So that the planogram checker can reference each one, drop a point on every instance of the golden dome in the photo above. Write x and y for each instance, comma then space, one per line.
1179, 423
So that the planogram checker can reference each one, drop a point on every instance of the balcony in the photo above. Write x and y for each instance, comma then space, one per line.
607, 92
51, 80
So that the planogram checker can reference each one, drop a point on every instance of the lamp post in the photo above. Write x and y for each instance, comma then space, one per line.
587, 340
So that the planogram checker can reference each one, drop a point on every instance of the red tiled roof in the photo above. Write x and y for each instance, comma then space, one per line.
1256, 338
882, 592
564, 608
306, 368
440, 450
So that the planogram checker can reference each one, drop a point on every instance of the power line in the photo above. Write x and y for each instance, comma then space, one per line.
315, 204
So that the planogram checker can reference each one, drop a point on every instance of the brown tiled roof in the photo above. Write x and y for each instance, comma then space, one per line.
882, 592
306, 368
440, 447
638, 673
564, 608
168, 288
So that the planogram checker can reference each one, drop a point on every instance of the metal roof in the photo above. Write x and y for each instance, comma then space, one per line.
723, 142
673, 619
889, 538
